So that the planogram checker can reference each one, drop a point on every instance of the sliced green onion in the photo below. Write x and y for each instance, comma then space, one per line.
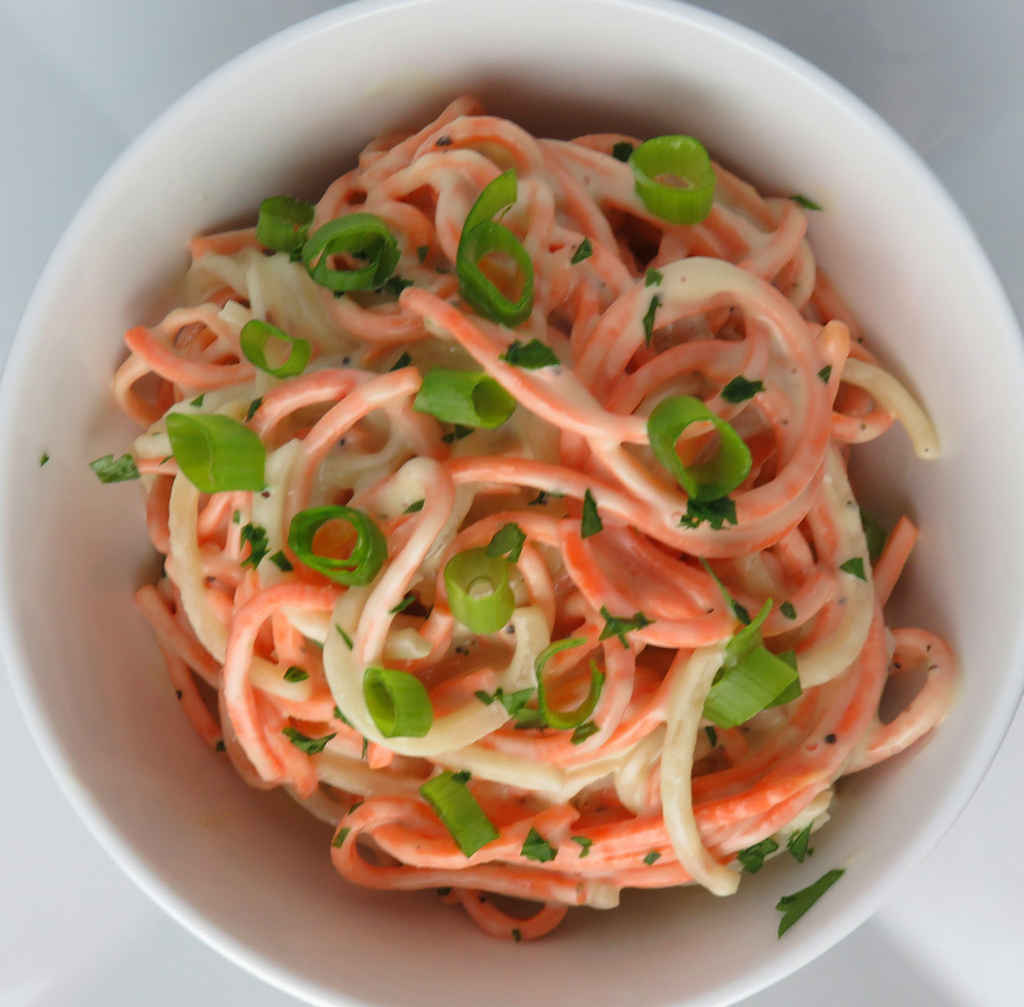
684, 159
359, 234
217, 453
254, 338
747, 688
480, 236
705, 480
794, 906
398, 703
458, 809
794, 689
569, 720
479, 594
364, 560
508, 541
283, 222
467, 398
530, 356
109, 469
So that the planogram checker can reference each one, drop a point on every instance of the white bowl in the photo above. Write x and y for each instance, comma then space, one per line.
249, 872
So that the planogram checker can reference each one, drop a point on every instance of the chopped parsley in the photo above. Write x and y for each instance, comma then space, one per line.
403, 604
741, 613
542, 498
220, 746
804, 201
422, 252
652, 277
414, 507
825, 373
619, 626
622, 150
198, 400
584, 844
311, 746
396, 284
536, 847
583, 251
403, 361
715, 512
874, 534
854, 567
281, 561
256, 536
295, 674
584, 731
43, 459
109, 469
648, 321
740, 389
517, 935
797, 843
712, 736
508, 542
530, 356
344, 636
794, 906
339, 839
457, 434
513, 701
253, 406
786, 608
752, 858
652, 857
236, 518
340, 716
591, 522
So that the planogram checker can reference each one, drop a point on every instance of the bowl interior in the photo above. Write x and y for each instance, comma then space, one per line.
250, 871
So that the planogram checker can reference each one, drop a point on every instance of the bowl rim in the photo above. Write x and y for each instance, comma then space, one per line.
791, 956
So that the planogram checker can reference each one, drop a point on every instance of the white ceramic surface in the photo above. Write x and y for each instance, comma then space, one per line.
91, 685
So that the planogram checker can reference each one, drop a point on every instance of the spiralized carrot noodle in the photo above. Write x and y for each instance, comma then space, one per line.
262, 649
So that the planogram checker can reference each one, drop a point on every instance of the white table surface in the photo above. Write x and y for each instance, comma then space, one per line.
83, 77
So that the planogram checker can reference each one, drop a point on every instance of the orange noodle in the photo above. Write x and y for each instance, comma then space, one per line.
268, 651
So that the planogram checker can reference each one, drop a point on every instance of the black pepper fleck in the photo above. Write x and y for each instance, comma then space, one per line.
830, 739
443, 141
